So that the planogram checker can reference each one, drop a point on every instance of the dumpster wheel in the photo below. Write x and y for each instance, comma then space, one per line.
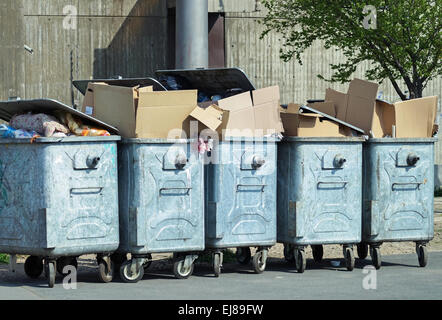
318, 253
33, 267
375, 253
362, 249
130, 273
349, 258
50, 272
422, 254
300, 259
180, 270
260, 261
243, 255
105, 269
66, 261
217, 263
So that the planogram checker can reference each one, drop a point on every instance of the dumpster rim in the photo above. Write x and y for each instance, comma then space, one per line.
72, 139
402, 140
324, 139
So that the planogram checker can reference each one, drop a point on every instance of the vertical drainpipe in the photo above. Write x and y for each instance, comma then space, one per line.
192, 35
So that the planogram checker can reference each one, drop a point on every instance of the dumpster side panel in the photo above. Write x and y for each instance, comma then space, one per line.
53, 204
162, 205
398, 195
324, 185
240, 197
82, 212
22, 197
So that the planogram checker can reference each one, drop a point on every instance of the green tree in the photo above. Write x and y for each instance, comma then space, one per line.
401, 38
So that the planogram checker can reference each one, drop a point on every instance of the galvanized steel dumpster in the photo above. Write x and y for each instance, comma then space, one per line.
161, 204
398, 194
319, 196
59, 200
240, 187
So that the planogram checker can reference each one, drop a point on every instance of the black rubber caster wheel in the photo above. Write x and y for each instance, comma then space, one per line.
259, 263
300, 260
180, 270
217, 263
422, 255
349, 259
376, 258
129, 274
50, 272
105, 272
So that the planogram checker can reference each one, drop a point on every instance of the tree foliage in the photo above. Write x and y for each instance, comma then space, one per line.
402, 43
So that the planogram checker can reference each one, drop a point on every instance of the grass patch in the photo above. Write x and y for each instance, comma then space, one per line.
228, 256
4, 258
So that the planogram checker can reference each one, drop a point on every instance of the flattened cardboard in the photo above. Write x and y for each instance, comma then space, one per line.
249, 114
340, 101
211, 117
327, 107
162, 114
308, 124
413, 118
116, 106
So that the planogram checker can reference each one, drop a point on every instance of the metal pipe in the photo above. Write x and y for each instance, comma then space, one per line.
192, 35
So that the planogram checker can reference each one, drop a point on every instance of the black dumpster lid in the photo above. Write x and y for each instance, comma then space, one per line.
9, 108
209, 81
306, 109
81, 85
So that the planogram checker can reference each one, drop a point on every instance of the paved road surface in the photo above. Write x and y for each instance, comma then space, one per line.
399, 278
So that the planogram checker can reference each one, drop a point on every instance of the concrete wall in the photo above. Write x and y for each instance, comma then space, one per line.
113, 37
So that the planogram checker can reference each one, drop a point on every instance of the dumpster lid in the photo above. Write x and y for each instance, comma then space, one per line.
209, 81
306, 109
81, 85
9, 108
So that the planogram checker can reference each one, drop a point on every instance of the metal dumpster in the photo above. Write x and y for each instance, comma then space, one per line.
161, 204
319, 196
240, 176
241, 200
398, 192
59, 200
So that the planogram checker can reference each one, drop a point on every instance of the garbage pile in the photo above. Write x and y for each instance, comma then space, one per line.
45, 118
341, 113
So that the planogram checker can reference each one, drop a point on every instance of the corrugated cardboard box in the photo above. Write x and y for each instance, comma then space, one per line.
413, 118
309, 124
250, 114
140, 112
359, 107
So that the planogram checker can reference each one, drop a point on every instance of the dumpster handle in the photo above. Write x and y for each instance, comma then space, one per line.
251, 185
406, 183
177, 188
332, 182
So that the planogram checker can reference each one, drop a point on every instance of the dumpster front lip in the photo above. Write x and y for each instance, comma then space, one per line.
324, 139
402, 140
74, 139
156, 141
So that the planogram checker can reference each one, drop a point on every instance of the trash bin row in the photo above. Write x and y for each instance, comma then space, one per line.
66, 197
